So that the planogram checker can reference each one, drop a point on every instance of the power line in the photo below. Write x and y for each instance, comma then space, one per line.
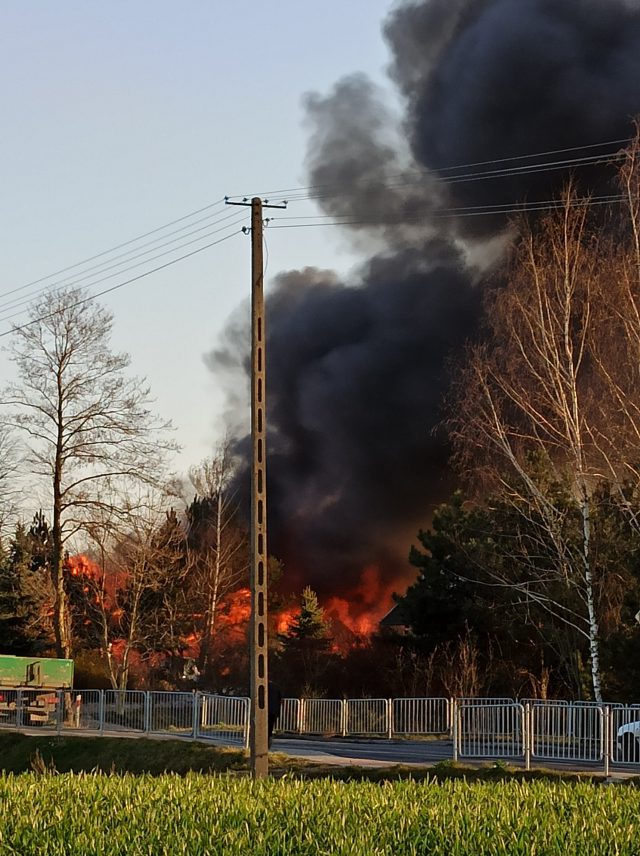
512, 172
116, 247
121, 284
470, 211
104, 267
439, 171
452, 175
489, 208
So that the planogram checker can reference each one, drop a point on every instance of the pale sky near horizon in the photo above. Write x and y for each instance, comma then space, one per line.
120, 117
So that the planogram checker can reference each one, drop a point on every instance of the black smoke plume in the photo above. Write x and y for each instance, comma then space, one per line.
357, 371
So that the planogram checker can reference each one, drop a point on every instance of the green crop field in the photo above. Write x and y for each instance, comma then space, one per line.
89, 814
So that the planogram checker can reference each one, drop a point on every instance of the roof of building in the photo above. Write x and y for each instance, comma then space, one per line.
396, 617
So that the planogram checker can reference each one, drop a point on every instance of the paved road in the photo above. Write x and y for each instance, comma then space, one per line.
374, 753
419, 753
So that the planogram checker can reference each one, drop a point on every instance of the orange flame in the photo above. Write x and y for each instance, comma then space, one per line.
361, 609
81, 565
285, 618
235, 610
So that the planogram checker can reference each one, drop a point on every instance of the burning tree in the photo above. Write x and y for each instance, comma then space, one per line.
87, 426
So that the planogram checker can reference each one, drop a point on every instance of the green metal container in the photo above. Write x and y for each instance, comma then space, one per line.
36, 672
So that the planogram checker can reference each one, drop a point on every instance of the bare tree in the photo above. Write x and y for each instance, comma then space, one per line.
125, 601
87, 426
218, 545
8, 472
526, 418
615, 347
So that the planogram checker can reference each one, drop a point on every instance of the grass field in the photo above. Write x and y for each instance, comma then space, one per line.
120, 801
87, 814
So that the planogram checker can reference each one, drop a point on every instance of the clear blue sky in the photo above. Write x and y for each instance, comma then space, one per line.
121, 116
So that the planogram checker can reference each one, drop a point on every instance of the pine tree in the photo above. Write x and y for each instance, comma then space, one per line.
310, 623
24, 595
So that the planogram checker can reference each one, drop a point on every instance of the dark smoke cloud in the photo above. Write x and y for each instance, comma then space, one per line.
357, 371
501, 78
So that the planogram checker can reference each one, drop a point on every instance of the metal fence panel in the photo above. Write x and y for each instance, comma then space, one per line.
483, 728
125, 711
289, 720
566, 731
171, 713
8, 708
625, 735
367, 716
223, 719
421, 716
323, 716
490, 730
82, 710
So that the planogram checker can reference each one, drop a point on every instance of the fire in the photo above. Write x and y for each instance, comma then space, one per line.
81, 565
284, 620
361, 609
235, 610
191, 645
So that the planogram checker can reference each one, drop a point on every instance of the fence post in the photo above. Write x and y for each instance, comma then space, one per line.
606, 738
147, 712
101, 712
527, 735
451, 712
246, 723
19, 709
302, 715
389, 718
194, 715
454, 727
59, 710
343, 717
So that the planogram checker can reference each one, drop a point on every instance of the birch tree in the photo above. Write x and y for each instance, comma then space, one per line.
526, 419
615, 347
87, 426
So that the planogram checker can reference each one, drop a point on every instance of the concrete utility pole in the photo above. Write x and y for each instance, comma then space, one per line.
258, 637
258, 632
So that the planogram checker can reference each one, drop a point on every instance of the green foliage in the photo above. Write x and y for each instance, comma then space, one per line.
24, 586
310, 623
487, 571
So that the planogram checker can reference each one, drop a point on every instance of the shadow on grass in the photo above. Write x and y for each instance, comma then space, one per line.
49, 754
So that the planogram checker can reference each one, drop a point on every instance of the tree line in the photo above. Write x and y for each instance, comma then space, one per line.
141, 579
528, 578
